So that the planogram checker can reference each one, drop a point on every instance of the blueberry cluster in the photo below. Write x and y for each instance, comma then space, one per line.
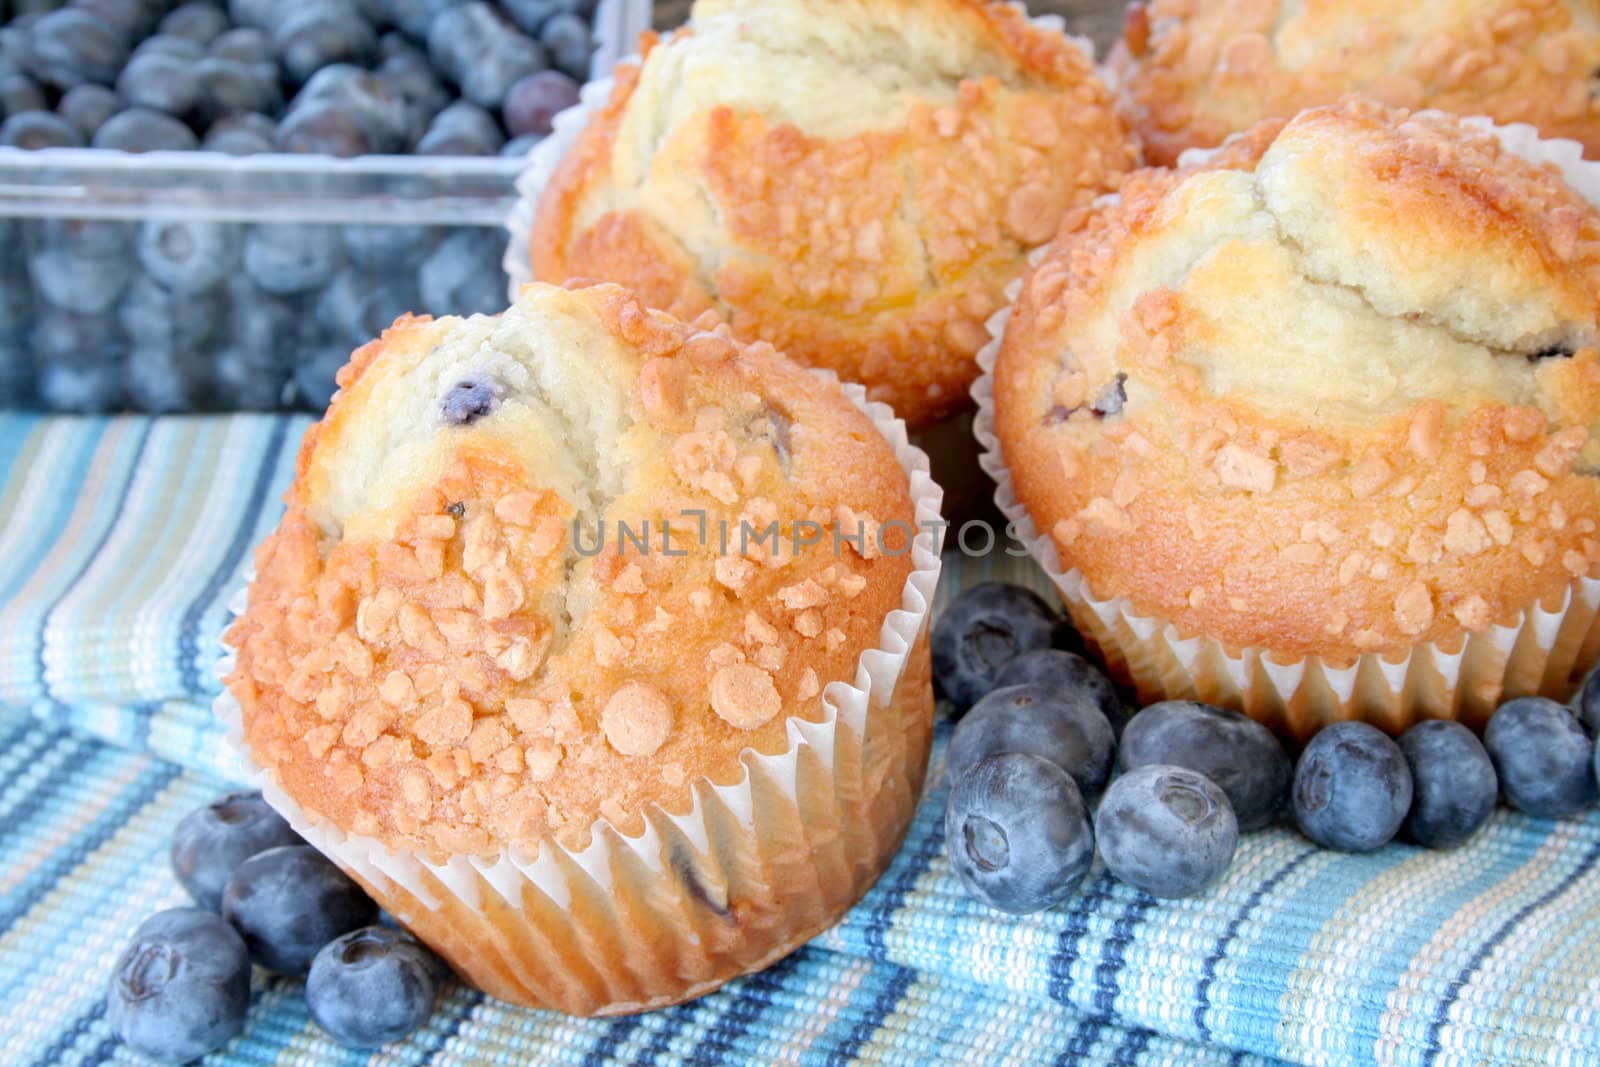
1041, 728
180, 315
185, 315
332, 77
182, 986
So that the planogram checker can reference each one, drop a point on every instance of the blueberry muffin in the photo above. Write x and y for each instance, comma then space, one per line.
539, 650
1192, 72
854, 182
1309, 430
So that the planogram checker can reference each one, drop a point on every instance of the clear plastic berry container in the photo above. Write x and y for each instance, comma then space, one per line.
200, 281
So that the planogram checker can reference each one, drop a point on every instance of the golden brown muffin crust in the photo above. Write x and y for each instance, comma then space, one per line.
429, 658
1333, 393
1193, 71
865, 219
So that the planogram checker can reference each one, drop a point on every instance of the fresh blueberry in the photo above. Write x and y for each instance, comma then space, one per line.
77, 361
245, 44
344, 110
161, 82
167, 45
380, 103
260, 322
181, 987
414, 16
90, 237
257, 14
291, 257
1062, 727
323, 128
154, 316
389, 109
14, 52
210, 843
1063, 671
328, 83
315, 376
1018, 833
230, 85
1166, 830
1233, 750
984, 628
186, 254
519, 147
247, 133
469, 400
530, 15
252, 122
566, 37
1542, 757
34, 130
166, 381
131, 19
320, 34
78, 281
462, 129
409, 75
16, 374
463, 276
1352, 788
1453, 783
358, 307
70, 47
87, 107
394, 43
246, 380
16, 292
388, 247
511, 58
460, 33
533, 102
372, 986
288, 902
305, 332
197, 21
80, 386
58, 336
19, 94
16, 304
140, 129
1589, 705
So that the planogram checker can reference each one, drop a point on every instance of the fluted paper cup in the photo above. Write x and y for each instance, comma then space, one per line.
1546, 650
747, 872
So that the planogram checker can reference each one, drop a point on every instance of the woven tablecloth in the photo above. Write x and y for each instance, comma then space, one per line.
121, 541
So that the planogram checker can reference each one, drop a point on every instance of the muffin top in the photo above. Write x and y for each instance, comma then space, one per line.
522, 582
854, 181
1194, 71
1332, 393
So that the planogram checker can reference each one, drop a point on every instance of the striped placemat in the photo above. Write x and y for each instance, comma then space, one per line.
121, 541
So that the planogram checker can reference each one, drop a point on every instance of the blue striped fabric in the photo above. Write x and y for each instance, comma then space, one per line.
87, 825
121, 542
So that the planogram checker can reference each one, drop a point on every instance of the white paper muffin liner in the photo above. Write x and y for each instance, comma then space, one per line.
751, 870
1544, 651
